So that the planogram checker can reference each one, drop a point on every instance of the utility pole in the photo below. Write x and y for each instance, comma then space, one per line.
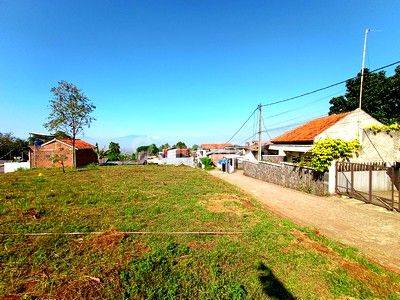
259, 131
360, 131
363, 65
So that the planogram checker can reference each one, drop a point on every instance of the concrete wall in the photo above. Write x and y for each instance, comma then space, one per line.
381, 146
188, 161
287, 175
348, 128
14, 166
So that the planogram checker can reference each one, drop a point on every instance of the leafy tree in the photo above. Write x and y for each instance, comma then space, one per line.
195, 147
324, 151
381, 96
180, 145
164, 146
133, 156
142, 148
70, 112
150, 149
61, 135
153, 149
11, 146
114, 151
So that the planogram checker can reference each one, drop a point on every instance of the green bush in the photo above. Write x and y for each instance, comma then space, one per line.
207, 162
327, 150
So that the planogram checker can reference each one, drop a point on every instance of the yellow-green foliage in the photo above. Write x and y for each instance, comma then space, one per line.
384, 128
325, 151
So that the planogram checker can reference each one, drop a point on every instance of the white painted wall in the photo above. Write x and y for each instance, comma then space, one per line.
14, 166
188, 161
171, 153
289, 147
348, 128
381, 146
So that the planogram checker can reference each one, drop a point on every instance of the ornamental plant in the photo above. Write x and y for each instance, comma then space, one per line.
324, 151
384, 128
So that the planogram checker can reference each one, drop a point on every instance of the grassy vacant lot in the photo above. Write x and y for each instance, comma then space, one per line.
271, 258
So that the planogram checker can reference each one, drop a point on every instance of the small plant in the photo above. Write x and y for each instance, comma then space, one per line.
325, 151
207, 163
59, 158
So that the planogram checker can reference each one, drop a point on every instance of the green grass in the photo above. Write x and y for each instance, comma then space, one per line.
271, 258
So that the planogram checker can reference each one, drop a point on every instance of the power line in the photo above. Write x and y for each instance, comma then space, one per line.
237, 131
265, 129
329, 86
302, 95
303, 107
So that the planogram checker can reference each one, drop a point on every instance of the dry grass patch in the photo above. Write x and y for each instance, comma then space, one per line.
227, 203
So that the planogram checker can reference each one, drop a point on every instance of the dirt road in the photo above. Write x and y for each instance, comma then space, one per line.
373, 230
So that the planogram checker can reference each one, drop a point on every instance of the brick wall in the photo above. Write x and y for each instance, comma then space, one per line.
85, 157
41, 156
298, 178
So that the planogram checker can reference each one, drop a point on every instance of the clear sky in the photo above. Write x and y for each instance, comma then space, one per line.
190, 70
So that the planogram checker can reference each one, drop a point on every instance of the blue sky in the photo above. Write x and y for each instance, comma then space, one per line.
185, 70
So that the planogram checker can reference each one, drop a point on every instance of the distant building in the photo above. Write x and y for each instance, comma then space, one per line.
217, 151
176, 153
40, 155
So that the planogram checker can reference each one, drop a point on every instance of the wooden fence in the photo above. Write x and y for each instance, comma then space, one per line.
375, 183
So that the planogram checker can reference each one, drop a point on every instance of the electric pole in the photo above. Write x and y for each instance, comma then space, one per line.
259, 131
360, 130
363, 65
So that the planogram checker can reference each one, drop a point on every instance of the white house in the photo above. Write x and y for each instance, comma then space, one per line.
346, 126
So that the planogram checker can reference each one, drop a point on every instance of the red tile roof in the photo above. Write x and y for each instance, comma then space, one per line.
79, 144
215, 146
308, 131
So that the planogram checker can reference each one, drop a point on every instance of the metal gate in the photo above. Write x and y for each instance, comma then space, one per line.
375, 183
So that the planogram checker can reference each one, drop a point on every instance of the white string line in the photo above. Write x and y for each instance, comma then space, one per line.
127, 233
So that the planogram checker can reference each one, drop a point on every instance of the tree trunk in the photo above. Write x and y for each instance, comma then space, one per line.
73, 152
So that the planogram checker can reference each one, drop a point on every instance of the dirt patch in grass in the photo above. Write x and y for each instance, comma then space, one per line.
106, 241
202, 245
374, 281
85, 288
32, 213
227, 203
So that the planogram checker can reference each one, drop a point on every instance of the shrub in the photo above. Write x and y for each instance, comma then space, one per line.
325, 151
207, 163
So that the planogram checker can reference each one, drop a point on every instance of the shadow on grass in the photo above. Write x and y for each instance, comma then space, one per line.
271, 285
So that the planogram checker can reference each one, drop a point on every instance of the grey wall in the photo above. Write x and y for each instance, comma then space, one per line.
298, 178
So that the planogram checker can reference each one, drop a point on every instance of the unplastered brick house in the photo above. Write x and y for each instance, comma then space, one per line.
41, 155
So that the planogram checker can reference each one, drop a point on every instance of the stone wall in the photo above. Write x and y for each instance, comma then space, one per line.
288, 175
273, 158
